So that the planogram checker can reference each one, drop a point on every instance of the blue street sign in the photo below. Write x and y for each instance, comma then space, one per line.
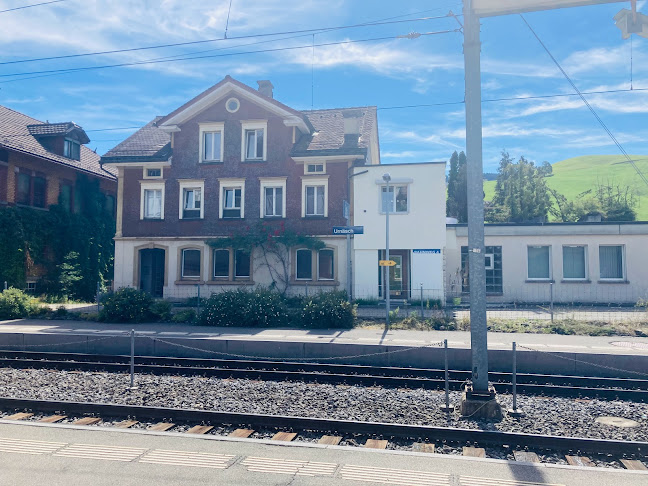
427, 251
348, 230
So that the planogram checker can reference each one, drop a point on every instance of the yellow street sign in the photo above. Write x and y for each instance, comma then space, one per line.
386, 263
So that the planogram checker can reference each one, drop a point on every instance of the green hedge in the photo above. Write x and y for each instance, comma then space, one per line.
245, 308
127, 305
16, 304
328, 310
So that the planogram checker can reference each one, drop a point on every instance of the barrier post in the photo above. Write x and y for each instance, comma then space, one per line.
551, 301
132, 360
422, 310
448, 408
514, 412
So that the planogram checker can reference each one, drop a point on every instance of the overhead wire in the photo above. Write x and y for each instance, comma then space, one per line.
582, 97
31, 5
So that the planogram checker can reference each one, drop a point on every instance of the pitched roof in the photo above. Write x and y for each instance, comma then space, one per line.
15, 135
54, 129
329, 137
149, 143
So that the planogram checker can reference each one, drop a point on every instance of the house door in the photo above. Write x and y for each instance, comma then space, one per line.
396, 277
399, 274
152, 271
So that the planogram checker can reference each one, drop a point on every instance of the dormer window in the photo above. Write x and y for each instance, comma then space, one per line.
314, 168
71, 149
255, 142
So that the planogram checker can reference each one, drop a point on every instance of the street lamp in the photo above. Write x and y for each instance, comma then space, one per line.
386, 177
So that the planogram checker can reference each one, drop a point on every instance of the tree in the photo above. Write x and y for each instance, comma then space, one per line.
70, 275
521, 189
613, 202
546, 169
457, 202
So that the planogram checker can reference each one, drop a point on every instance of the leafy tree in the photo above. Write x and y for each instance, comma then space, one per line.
457, 202
546, 169
70, 275
613, 202
521, 189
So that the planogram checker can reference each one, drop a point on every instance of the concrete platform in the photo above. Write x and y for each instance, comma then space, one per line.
537, 353
63, 455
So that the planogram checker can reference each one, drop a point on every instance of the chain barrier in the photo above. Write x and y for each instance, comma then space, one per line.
567, 358
274, 358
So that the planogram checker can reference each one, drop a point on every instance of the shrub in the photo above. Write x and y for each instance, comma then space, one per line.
60, 313
15, 304
249, 308
161, 310
127, 305
186, 316
367, 301
328, 310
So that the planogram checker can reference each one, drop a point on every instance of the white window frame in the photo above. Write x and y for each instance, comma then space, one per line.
191, 184
269, 182
227, 183
585, 261
182, 261
207, 128
490, 266
314, 270
146, 169
319, 277
323, 171
623, 277
229, 265
151, 186
380, 198
69, 142
540, 279
254, 125
315, 181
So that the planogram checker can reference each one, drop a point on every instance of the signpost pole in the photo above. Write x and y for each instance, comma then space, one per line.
387, 178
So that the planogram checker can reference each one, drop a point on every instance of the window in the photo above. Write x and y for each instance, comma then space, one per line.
304, 269
398, 205
211, 142
232, 203
574, 266
190, 263
65, 196
315, 200
325, 264
488, 261
254, 142
314, 168
611, 262
152, 200
153, 173
242, 264
40, 192
273, 202
221, 263
538, 262
232, 105
31, 287
232, 198
71, 149
493, 264
23, 188
191, 199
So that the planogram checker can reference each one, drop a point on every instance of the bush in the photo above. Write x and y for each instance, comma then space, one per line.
161, 310
367, 301
60, 313
16, 304
249, 308
328, 310
187, 316
127, 305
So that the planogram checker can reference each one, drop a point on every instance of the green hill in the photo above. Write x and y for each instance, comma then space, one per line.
573, 176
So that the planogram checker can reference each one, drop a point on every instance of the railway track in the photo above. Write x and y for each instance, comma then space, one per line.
332, 432
433, 379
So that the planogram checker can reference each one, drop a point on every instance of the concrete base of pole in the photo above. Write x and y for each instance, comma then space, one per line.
514, 413
482, 405
448, 409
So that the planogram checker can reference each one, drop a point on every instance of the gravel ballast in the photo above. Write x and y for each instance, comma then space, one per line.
543, 415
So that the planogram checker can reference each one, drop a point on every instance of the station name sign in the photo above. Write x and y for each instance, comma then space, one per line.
428, 251
348, 230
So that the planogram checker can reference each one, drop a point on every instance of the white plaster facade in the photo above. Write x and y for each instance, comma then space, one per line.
417, 232
514, 240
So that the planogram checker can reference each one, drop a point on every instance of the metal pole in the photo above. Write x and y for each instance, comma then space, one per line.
348, 245
387, 286
551, 301
198, 312
514, 377
422, 310
447, 385
132, 360
474, 166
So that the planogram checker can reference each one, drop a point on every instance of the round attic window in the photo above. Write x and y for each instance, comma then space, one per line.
233, 105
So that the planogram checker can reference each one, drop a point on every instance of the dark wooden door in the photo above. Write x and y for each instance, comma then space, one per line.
152, 271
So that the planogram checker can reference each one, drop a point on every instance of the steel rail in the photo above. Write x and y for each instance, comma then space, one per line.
449, 434
349, 378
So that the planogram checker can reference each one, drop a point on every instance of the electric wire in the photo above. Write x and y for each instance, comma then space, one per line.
31, 5
591, 109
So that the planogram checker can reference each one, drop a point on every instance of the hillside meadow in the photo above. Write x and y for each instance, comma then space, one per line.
574, 176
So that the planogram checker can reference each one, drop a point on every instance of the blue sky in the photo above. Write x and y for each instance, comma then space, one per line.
388, 73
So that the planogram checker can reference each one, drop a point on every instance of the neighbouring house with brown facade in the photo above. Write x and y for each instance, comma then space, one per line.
40, 164
227, 162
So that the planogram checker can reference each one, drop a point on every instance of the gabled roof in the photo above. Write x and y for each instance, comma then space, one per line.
148, 144
329, 138
58, 129
15, 135
228, 85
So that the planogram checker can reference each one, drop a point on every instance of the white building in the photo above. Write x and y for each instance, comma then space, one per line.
417, 229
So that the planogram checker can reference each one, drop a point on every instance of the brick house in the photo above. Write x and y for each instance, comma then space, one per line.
40, 164
225, 162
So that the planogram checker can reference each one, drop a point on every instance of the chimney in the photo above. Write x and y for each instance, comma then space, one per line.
265, 88
352, 119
